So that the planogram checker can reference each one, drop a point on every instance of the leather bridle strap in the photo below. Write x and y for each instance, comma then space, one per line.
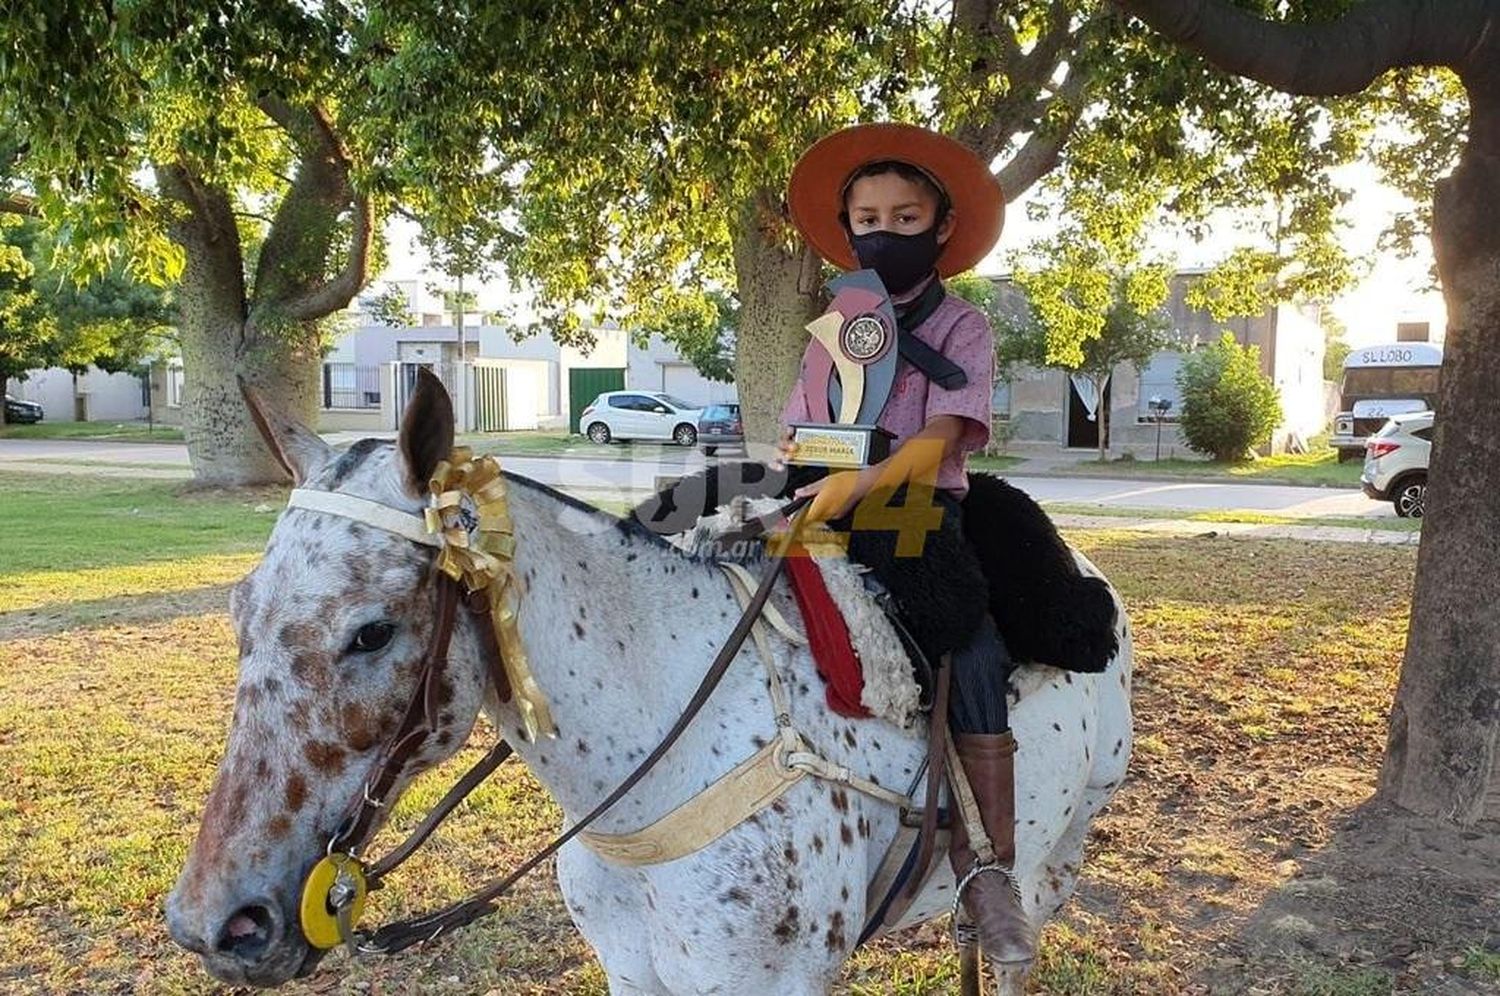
404, 933
417, 724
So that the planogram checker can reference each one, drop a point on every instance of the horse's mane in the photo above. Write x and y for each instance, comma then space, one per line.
630, 527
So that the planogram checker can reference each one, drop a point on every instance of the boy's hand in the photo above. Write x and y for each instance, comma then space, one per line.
784, 450
836, 495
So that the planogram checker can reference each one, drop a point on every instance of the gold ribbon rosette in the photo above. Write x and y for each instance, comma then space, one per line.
469, 509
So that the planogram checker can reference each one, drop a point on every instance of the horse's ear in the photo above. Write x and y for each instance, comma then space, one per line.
297, 448
426, 432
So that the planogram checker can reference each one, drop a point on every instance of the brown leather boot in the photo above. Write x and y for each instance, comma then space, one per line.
1005, 935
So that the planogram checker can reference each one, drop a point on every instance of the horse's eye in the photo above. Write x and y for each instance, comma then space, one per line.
371, 637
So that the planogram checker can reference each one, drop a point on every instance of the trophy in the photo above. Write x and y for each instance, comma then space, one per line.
849, 369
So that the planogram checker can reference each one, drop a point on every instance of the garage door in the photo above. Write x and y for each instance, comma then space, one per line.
682, 380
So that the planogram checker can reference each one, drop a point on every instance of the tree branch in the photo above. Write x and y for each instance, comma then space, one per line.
319, 193
1043, 148
1324, 60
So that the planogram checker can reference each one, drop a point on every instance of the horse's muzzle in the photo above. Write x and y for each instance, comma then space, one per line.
256, 944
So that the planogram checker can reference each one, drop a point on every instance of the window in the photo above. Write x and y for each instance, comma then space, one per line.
175, 385
1423, 433
633, 402
1000, 399
675, 402
1159, 380
1387, 381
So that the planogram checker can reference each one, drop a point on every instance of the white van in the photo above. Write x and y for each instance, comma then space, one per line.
1381, 381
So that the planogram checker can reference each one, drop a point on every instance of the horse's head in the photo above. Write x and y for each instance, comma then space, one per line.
333, 626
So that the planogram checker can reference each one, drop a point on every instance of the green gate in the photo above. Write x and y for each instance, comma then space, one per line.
587, 383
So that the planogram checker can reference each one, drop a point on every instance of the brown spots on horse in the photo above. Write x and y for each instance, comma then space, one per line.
840, 800
849, 736
313, 668
359, 726
786, 928
734, 895
846, 835
834, 939
1118, 745
296, 791
278, 827
577, 629
844, 893
583, 746
325, 758
817, 843
864, 828
790, 853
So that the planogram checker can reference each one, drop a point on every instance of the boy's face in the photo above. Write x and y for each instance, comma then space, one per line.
889, 202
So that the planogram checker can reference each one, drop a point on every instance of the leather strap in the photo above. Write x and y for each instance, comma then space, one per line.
471, 780
404, 933
938, 368
937, 743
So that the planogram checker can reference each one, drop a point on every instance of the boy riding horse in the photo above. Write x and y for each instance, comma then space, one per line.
915, 206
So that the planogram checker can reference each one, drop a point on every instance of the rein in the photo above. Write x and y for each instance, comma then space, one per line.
334, 893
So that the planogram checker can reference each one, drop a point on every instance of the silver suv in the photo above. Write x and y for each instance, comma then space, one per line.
1396, 463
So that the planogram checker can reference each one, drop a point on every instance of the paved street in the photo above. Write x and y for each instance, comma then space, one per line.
595, 478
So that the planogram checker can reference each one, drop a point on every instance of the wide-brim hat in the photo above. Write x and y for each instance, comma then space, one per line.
815, 195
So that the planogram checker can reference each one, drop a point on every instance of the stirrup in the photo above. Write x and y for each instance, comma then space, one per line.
963, 929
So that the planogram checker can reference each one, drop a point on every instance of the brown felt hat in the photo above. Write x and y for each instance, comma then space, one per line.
815, 195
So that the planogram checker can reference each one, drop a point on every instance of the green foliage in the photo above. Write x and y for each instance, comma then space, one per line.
1228, 405
46, 319
390, 307
702, 326
1336, 347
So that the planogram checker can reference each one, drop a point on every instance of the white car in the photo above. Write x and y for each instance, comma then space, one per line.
1396, 463
640, 415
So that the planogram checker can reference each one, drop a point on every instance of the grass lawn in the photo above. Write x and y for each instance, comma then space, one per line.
114, 432
1319, 468
1264, 673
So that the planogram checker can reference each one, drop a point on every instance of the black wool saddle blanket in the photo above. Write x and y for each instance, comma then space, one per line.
1047, 610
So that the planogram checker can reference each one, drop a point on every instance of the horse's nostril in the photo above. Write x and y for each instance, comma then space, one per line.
249, 932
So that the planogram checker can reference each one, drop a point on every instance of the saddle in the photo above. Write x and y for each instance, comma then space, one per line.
1046, 609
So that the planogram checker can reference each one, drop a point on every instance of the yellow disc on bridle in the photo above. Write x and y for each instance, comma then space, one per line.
333, 899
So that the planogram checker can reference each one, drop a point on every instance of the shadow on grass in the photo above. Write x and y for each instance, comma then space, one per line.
1393, 903
120, 610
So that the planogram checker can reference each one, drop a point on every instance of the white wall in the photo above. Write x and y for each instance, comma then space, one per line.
106, 397
659, 367
1299, 373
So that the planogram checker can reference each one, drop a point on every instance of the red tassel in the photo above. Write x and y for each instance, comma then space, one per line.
828, 636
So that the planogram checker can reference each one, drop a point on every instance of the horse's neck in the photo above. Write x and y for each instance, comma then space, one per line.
620, 631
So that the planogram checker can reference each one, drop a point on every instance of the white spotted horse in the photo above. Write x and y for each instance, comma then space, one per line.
338, 626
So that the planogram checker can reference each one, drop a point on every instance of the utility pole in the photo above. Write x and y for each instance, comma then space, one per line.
461, 388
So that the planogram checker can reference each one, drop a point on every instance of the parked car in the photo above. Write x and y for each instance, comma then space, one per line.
720, 425
22, 412
640, 415
1396, 463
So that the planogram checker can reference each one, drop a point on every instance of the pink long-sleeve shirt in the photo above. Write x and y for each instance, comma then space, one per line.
960, 332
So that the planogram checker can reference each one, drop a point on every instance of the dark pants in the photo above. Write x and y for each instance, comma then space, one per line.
944, 599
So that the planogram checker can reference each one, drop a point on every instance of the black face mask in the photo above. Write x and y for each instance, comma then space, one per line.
900, 260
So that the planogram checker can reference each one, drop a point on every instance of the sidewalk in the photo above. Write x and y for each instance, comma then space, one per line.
1238, 530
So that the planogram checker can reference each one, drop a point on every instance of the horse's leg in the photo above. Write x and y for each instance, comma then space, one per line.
1010, 980
607, 905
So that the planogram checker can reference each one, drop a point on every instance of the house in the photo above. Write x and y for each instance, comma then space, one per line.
1046, 405
507, 383
91, 396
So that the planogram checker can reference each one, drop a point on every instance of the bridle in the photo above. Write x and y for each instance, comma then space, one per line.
335, 889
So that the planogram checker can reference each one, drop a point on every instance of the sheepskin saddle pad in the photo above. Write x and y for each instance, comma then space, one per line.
859, 651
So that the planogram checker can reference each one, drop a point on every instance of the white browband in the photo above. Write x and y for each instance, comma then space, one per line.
371, 513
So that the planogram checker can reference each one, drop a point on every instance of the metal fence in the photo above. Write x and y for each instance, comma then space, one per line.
346, 385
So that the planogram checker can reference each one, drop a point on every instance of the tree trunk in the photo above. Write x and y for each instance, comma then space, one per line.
4, 387
220, 343
1443, 755
779, 294
1103, 410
